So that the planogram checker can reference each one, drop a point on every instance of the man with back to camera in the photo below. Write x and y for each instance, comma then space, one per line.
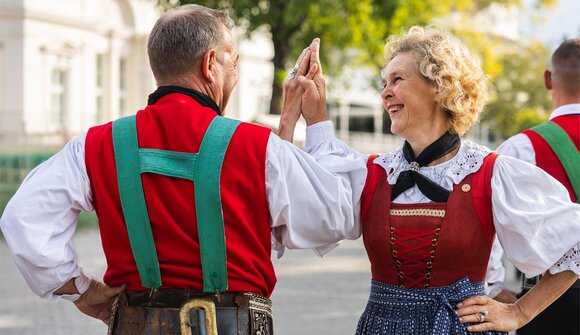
187, 200
553, 146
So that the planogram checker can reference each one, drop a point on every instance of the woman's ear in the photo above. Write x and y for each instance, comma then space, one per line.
208, 64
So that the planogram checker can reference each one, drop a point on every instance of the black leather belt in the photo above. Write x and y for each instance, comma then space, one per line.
188, 312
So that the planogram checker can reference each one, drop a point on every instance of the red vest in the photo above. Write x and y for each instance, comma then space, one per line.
432, 244
546, 159
178, 122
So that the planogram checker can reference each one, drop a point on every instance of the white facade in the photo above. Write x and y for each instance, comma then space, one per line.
66, 65
252, 94
69, 64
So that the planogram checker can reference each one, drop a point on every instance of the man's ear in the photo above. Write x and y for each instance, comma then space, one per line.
208, 64
548, 79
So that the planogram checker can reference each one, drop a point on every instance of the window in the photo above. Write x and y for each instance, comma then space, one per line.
99, 84
58, 95
123, 87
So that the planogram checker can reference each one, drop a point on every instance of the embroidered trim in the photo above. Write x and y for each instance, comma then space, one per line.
258, 303
570, 261
438, 213
468, 160
260, 315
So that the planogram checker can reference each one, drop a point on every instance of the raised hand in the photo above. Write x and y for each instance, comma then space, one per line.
314, 99
293, 92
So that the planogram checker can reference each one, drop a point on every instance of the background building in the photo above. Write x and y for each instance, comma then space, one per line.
69, 64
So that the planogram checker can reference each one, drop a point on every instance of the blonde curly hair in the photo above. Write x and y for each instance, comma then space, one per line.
444, 61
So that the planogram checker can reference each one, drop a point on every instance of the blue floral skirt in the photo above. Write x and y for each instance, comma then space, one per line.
392, 310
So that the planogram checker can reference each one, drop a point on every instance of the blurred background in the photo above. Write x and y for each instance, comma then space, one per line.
66, 65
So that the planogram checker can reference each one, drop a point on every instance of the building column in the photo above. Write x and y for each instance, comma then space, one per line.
111, 82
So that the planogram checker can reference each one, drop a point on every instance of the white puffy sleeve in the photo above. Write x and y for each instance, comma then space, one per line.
40, 219
537, 224
314, 200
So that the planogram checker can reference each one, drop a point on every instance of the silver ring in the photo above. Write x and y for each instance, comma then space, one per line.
293, 72
482, 316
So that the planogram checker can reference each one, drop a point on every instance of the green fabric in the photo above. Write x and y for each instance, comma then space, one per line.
203, 168
565, 149
210, 219
133, 203
168, 163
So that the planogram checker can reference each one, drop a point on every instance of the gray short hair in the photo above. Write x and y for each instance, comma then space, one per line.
181, 36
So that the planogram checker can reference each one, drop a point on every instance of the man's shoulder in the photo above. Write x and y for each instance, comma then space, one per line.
254, 130
518, 146
100, 130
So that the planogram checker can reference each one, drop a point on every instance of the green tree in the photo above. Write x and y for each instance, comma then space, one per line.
293, 23
359, 26
519, 99
353, 31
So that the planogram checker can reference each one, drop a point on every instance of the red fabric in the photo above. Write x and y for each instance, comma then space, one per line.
481, 194
461, 249
178, 123
374, 174
413, 251
547, 160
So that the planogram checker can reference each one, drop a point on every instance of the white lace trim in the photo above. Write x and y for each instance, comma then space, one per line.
570, 261
469, 159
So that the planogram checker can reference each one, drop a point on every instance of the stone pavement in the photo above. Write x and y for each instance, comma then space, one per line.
313, 296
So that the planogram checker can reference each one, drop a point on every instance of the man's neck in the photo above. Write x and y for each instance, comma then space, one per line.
559, 100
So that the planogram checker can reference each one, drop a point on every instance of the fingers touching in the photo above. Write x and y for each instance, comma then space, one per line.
315, 55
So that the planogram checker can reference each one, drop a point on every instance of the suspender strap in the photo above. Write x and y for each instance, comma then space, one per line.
133, 203
565, 149
203, 168
208, 207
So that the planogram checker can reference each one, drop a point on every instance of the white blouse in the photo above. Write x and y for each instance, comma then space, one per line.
39, 221
519, 146
534, 219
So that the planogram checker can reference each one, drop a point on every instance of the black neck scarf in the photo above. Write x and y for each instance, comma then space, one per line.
203, 99
407, 179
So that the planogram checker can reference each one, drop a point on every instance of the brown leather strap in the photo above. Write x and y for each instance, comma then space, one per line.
176, 298
157, 312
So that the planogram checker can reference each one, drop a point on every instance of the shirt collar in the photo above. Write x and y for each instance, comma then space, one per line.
565, 110
203, 99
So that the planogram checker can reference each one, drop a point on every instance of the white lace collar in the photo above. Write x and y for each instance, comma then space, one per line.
468, 160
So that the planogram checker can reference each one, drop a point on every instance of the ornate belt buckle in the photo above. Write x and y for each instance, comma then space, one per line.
210, 316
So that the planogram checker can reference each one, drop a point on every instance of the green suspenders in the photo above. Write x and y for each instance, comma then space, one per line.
565, 149
203, 168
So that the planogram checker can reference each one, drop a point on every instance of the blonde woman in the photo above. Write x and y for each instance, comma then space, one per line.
431, 209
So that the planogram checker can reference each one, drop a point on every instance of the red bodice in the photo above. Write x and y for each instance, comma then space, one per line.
432, 244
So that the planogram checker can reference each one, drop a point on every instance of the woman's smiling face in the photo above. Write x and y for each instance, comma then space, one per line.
409, 99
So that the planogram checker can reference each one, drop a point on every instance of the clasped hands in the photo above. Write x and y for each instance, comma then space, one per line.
304, 92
